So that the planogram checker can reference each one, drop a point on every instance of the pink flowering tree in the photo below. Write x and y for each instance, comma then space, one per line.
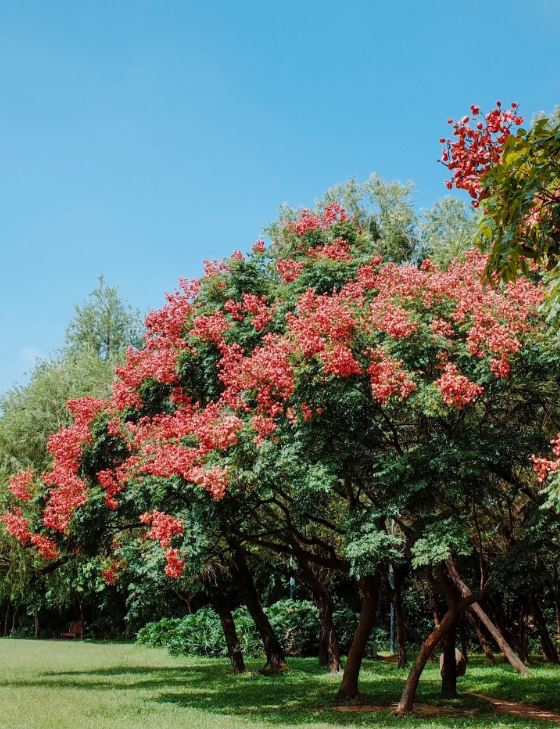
295, 401
513, 174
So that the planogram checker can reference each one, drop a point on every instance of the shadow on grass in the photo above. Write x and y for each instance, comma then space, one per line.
299, 696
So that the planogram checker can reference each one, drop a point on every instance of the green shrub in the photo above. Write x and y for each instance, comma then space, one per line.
295, 622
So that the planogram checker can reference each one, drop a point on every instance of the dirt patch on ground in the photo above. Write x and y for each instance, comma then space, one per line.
516, 708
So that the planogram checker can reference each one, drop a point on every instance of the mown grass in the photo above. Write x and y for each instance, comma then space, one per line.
87, 685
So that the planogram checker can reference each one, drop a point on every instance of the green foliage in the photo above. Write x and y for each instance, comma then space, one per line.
440, 541
104, 324
448, 230
521, 221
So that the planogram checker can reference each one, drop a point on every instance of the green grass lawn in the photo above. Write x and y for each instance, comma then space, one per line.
87, 685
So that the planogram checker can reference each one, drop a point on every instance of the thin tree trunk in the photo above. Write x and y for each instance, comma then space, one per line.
275, 656
406, 704
523, 642
329, 651
14, 616
484, 645
401, 627
511, 656
548, 647
6, 618
369, 586
235, 654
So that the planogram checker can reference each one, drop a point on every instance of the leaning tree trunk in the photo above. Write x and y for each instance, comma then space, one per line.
496, 634
548, 647
484, 645
406, 704
275, 656
235, 654
348, 690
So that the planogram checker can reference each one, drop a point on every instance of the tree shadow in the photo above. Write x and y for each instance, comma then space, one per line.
299, 696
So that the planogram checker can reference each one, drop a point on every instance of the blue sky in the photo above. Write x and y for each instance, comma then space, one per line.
138, 138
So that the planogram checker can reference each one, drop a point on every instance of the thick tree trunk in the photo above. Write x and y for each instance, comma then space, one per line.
484, 645
370, 598
275, 656
406, 704
235, 654
329, 652
488, 624
401, 627
548, 647
449, 667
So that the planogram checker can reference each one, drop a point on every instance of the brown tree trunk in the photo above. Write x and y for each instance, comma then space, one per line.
484, 645
329, 651
548, 647
401, 627
488, 624
369, 586
449, 667
220, 603
275, 656
406, 704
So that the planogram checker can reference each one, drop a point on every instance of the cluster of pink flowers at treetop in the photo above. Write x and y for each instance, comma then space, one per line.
289, 269
457, 390
333, 213
256, 306
388, 377
163, 527
337, 250
477, 148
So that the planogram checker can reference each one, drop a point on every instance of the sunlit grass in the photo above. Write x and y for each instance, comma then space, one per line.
83, 685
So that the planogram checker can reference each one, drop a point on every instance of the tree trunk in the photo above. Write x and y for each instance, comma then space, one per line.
401, 627
523, 642
329, 651
369, 586
235, 654
449, 667
406, 704
548, 647
484, 645
275, 656
488, 624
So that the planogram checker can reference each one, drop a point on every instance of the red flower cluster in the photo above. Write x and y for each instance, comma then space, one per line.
20, 484
164, 527
477, 148
175, 565
308, 220
388, 377
289, 269
18, 526
457, 390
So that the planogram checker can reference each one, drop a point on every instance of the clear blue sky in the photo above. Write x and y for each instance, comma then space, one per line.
139, 137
